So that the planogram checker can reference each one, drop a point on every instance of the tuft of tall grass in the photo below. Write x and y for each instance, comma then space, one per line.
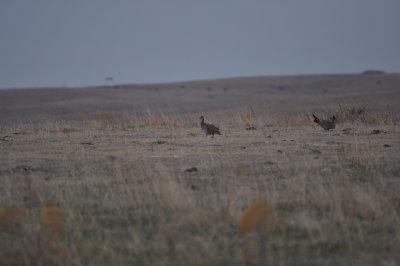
249, 119
256, 218
10, 217
104, 117
52, 220
160, 120
361, 113
240, 168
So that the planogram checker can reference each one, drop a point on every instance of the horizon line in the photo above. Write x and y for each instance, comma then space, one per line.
373, 71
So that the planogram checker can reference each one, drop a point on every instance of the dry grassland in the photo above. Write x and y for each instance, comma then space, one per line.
153, 190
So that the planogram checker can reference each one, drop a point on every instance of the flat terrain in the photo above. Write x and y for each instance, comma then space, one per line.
145, 186
269, 95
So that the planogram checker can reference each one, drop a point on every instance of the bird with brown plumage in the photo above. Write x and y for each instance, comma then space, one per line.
325, 124
208, 129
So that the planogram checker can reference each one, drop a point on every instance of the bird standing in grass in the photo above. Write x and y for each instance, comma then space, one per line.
325, 124
208, 129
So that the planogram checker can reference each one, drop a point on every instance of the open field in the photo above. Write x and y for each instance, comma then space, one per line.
144, 186
274, 95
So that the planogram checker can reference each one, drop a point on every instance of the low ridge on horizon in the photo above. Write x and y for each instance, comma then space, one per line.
277, 94
116, 83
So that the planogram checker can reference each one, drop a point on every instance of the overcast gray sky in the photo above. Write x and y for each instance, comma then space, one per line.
80, 42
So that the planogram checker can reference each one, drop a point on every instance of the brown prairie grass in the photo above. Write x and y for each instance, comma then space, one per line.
104, 117
356, 113
10, 217
240, 168
160, 120
130, 119
249, 119
52, 220
256, 218
156, 120
329, 195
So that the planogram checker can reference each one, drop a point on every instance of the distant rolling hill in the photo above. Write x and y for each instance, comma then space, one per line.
273, 94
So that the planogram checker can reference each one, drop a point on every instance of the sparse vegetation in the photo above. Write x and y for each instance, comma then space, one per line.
105, 117
126, 199
249, 119
361, 114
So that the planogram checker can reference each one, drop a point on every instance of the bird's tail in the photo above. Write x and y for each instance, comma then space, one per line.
316, 119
